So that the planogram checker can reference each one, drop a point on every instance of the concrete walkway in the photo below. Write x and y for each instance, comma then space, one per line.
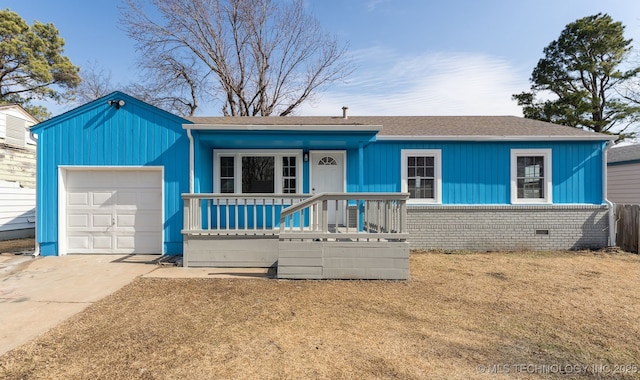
38, 293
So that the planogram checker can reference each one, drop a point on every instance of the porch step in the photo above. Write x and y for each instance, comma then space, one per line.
340, 260
242, 273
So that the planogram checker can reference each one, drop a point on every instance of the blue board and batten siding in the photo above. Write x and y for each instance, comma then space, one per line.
206, 142
98, 134
478, 173
473, 173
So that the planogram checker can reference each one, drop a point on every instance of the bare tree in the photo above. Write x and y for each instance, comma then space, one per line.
171, 84
265, 56
168, 84
96, 83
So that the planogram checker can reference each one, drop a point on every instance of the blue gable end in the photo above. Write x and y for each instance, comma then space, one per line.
99, 134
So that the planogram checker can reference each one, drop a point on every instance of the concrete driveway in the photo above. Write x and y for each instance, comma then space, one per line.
38, 293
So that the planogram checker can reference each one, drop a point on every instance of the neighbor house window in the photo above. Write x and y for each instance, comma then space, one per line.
421, 175
531, 176
256, 172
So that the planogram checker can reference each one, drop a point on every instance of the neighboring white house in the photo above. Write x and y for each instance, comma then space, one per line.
623, 174
17, 173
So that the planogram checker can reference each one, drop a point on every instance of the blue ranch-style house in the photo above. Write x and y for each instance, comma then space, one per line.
318, 197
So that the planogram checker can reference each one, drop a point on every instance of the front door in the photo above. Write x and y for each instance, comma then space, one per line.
328, 176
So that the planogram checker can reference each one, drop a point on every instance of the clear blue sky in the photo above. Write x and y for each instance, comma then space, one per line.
413, 57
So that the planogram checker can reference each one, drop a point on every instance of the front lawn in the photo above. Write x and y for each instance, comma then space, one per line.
485, 316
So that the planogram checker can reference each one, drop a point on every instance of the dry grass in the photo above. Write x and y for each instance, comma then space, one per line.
8, 246
458, 312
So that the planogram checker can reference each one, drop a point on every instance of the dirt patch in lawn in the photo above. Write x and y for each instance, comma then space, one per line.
494, 315
17, 245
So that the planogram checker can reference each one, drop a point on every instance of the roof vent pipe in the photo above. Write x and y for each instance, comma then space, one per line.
344, 112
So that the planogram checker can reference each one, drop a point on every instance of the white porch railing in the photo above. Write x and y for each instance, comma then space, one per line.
235, 214
370, 216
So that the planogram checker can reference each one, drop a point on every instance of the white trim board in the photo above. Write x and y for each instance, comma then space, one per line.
548, 178
239, 153
437, 154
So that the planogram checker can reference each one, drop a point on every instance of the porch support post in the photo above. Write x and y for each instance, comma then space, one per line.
191, 160
360, 167
360, 204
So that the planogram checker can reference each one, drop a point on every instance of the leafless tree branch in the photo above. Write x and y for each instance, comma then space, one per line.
264, 57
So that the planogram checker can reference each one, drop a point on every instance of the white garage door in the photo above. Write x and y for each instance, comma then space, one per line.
113, 211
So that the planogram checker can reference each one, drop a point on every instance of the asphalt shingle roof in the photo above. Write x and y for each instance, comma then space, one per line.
624, 153
453, 126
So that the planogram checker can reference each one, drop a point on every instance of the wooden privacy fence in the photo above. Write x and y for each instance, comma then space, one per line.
628, 227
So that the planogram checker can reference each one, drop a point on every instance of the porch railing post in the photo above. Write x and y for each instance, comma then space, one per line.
403, 216
325, 216
198, 214
187, 214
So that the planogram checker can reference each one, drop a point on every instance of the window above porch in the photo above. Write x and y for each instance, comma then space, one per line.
257, 171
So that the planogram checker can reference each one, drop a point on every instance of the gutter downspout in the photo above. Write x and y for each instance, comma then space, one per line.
36, 253
191, 160
610, 205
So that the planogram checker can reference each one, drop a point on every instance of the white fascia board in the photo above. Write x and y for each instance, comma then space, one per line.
298, 127
495, 138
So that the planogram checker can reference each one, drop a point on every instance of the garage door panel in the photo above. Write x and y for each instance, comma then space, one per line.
117, 211
78, 199
89, 179
78, 243
103, 179
79, 179
101, 198
138, 179
131, 180
148, 177
150, 200
102, 242
140, 243
144, 199
140, 220
127, 198
101, 220
78, 221
125, 220
126, 242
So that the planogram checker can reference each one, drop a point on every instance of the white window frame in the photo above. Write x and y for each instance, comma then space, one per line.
437, 163
548, 179
238, 154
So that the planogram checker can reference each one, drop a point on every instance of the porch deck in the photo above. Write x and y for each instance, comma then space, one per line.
298, 234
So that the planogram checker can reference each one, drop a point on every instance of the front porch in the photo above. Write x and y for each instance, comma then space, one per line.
323, 236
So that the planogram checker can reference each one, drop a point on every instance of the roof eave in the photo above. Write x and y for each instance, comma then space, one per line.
599, 137
625, 162
275, 127
22, 110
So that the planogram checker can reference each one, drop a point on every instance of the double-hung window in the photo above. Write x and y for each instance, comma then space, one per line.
531, 176
257, 172
422, 175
